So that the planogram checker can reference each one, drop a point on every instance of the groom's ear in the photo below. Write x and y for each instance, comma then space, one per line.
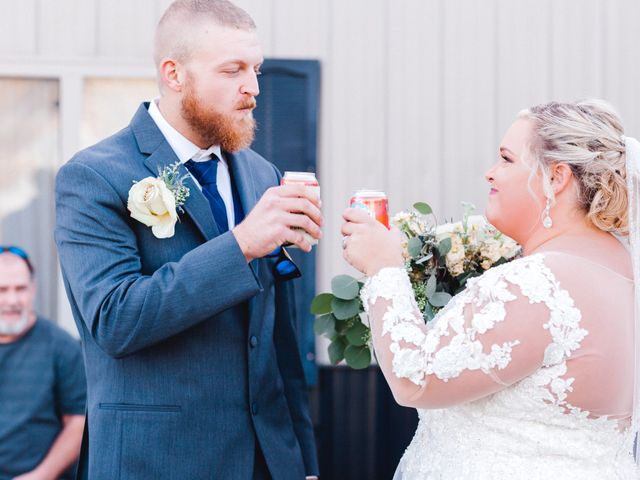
171, 74
561, 176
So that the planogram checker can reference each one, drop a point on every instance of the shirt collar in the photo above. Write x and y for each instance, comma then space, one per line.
183, 148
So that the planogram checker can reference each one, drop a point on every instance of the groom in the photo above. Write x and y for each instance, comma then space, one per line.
192, 364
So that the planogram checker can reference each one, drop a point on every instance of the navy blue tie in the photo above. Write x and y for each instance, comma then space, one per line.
206, 173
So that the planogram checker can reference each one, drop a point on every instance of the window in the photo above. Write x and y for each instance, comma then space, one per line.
29, 126
109, 104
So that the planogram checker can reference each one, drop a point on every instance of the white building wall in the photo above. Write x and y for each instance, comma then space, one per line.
415, 93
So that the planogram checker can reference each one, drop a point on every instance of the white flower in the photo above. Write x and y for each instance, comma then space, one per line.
486, 264
418, 227
509, 247
446, 229
153, 204
477, 221
401, 217
456, 269
490, 250
455, 257
411, 223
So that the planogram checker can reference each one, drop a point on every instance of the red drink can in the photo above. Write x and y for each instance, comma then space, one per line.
309, 180
374, 202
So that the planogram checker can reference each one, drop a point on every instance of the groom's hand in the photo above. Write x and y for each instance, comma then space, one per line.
270, 223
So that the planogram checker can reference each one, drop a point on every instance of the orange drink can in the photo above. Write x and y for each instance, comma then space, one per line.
374, 202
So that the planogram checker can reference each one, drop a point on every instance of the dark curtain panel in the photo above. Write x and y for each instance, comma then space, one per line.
361, 431
287, 117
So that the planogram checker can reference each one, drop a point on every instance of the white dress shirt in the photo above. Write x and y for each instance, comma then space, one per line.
185, 150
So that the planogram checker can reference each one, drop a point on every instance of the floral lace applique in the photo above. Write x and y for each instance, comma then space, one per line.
417, 350
524, 431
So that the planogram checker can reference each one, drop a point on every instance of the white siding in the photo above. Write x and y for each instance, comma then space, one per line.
578, 33
414, 126
522, 74
77, 38
18, 27
416, 94
125, 29
469, 136
621, 65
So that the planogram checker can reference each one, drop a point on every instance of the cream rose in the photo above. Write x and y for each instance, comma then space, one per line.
401, 217
455, 257
491, 250
153, 204
477, 221
509, 247
456, 269
446, 229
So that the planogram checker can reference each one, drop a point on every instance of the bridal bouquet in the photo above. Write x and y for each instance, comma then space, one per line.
439, 260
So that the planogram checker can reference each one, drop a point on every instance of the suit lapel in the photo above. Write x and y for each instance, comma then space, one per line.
152, 142
243, 179
247, 190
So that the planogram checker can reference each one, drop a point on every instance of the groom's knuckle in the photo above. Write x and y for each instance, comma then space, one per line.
283, 231
269, 201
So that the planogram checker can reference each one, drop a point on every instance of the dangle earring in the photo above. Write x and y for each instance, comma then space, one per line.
546, 217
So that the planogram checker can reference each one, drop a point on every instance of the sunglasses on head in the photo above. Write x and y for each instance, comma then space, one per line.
18, 252
284, 268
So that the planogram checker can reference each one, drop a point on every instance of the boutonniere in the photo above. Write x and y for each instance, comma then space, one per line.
156, 201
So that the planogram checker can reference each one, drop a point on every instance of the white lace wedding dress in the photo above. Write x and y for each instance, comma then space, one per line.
527, 374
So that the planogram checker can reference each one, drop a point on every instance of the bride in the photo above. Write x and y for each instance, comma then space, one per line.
529, 372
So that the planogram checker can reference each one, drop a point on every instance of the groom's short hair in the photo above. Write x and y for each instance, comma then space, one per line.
172, 33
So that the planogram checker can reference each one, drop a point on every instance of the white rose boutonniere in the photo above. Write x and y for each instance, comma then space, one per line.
155, 202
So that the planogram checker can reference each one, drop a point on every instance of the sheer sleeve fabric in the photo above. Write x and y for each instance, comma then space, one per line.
503, 327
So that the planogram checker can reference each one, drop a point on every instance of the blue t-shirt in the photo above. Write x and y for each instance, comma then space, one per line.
41, 379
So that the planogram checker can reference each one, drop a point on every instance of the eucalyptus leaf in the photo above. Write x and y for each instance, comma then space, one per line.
444, 247
439, 299
357, 357
325, 325
345, 287
345, 309
321, 304
428, 314
431, 287
336, 350
423, 208
500, 261
464, 278
356, 334
414, 247
342, 326
426, 258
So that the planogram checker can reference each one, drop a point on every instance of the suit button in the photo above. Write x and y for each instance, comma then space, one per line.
254, 408
253, 341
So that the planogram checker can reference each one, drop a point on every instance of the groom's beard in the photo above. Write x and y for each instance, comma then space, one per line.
216, 128
10, 328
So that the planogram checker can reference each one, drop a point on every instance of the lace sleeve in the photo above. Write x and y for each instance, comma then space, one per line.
469, 349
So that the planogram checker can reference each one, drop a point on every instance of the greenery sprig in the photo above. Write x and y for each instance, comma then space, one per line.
170, 175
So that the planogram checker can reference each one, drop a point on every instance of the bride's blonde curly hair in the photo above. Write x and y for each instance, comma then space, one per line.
587, 136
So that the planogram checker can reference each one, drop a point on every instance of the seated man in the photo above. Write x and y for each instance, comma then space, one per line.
42, 383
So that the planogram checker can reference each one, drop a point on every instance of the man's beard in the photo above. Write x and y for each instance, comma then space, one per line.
216, 128
10, 328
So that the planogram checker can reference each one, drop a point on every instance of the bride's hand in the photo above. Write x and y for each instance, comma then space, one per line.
368, 245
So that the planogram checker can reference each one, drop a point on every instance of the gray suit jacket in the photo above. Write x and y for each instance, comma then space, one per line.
191, 354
